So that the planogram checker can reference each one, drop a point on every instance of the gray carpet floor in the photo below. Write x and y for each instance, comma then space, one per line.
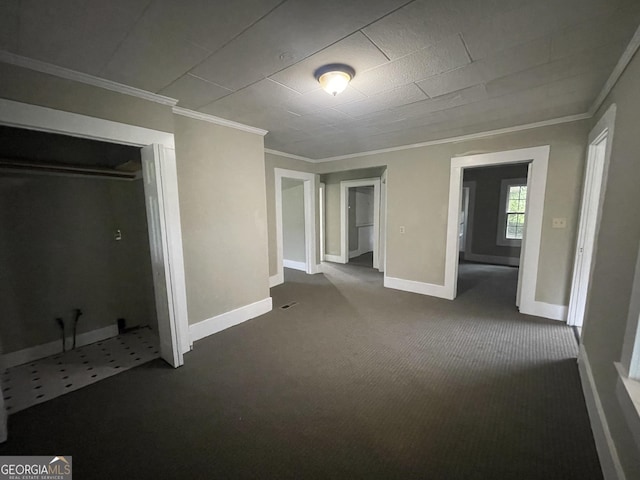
353, 382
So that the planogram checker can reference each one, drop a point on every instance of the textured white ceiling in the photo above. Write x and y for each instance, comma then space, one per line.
425, 69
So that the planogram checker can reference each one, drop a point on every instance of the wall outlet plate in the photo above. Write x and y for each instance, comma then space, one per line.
559, 223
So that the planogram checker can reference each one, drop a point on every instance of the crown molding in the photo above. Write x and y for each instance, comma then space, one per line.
462, 138
624, 60
62, 72
289, 155
205, 117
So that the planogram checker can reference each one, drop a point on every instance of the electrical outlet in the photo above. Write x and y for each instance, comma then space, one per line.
559, 223
402, 229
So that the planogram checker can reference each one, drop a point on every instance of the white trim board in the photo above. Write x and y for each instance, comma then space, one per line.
539, 159
357, 253
628, 394
441, 141
607, 452
30, 354
205, 117
415, 287
288, 155
461, 138
61, 72
34, 117
547, 310
302, 266
309, 181
617, 72
275, 280
216, 324
66, 73
333, 258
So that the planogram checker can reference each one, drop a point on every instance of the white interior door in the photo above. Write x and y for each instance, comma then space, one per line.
158, 241
587, 230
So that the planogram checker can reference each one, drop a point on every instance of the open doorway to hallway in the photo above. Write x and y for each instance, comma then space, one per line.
354, 214
360, 223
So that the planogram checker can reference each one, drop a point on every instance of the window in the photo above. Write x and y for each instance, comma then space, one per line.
511, 217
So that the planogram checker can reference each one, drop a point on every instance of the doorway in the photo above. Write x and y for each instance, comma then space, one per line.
538, 158
293, 223
360, 220
161, 197
292, 188
598, 154
360, 226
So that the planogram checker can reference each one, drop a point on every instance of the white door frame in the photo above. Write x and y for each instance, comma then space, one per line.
382, 246
33, 117
344, 216
471, 209
321, 208
309, 181
593, 192
539, 158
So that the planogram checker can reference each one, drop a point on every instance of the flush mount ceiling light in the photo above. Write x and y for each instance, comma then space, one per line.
335, 77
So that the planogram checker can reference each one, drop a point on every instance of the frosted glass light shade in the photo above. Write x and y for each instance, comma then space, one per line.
335, 77
334, 82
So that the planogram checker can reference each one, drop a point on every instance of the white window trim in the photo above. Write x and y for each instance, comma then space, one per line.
502, 213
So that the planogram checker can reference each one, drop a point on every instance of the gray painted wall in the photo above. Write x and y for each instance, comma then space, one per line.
487, 207
293, 246
418, 198
614, 265
221, 180
221, 185
58, 252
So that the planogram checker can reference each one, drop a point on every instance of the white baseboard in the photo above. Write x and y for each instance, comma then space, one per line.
333, 258
302, 266
319, 268
221, 322
609, 460
416, 287
494, 259
546, 310
30, 354
357, 253
276, 280
628, 394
